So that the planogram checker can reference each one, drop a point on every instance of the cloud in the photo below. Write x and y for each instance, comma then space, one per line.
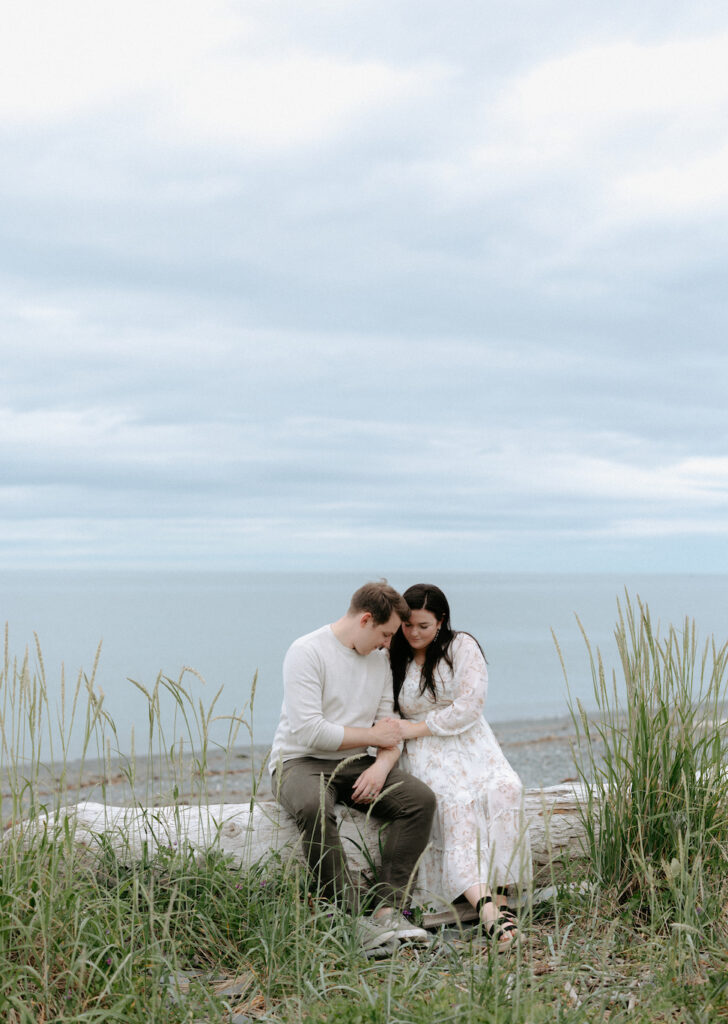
572, 154
189, 74
58, 62
286, 283
669, 527
594, 87
337, 472
687, 187
286, 102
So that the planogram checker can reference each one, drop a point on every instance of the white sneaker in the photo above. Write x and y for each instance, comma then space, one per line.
374, 933
380, 952
404, 930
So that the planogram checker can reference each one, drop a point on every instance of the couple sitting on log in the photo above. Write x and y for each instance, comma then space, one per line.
391, 674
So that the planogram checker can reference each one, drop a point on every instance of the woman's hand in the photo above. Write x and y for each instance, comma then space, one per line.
411, 730
370, 783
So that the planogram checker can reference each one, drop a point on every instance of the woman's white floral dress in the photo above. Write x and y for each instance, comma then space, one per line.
479, 833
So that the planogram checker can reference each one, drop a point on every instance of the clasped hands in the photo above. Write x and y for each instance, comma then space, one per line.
391, 731
386, 733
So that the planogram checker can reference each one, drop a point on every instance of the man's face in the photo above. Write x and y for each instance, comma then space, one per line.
372, 635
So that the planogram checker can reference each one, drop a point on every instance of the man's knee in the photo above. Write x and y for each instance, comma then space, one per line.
429, 802
420, 799
425, 802
312, 810
307, 804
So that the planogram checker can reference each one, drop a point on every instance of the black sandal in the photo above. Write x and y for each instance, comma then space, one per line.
505, 912
501, 927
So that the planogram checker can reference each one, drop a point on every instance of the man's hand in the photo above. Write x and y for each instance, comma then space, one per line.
370, 783
387, 732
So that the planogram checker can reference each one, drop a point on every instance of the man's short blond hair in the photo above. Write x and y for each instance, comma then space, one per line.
380, 600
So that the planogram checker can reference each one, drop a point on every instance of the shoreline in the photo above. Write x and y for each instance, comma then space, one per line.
540, 751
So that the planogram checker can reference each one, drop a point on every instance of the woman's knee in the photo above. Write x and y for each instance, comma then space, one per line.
506, 797
510, 789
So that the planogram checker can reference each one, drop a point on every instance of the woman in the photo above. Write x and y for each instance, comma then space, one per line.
478, 839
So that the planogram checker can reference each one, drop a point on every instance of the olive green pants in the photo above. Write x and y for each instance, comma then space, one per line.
308, 786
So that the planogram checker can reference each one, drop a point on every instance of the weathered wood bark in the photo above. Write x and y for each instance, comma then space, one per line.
248, 833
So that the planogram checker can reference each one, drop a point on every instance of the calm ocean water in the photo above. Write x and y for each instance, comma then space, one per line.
227, 626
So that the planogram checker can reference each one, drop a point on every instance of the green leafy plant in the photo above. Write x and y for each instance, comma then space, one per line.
655, 815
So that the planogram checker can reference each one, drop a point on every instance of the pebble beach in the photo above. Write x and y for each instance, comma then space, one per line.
540, 751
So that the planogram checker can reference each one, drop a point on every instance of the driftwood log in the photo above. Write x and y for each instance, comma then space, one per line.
249, 832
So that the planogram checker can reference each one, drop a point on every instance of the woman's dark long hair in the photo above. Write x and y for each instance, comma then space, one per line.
429, 597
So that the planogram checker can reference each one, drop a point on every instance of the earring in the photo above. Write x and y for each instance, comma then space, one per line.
437, 633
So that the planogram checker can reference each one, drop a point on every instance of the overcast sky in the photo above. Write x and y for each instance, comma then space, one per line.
378, 285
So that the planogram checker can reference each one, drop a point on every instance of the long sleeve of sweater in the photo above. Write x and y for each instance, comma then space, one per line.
303, 681
327, 687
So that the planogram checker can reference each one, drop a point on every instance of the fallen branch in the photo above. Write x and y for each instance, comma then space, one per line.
250, 832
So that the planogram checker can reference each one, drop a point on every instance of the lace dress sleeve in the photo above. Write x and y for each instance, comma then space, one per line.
469, 684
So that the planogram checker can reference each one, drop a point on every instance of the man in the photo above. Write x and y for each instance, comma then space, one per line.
337, 694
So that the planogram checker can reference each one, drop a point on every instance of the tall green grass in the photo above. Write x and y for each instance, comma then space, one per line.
652, 758
89, 933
